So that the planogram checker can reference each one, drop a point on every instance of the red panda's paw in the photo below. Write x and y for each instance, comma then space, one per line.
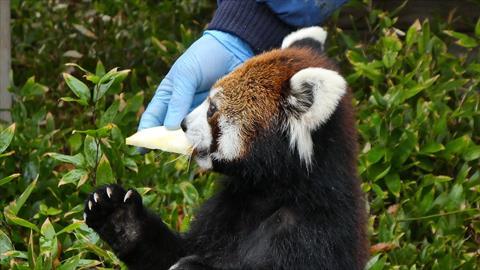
116, 215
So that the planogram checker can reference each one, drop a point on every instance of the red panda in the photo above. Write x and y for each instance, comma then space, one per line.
281, 129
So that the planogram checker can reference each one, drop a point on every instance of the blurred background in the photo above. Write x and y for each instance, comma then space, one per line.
413, 66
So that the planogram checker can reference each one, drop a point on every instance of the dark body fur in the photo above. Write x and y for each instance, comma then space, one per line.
271, 212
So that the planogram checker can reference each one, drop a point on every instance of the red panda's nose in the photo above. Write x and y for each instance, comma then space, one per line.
183, 125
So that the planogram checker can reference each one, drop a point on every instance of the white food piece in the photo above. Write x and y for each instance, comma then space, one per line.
174, 141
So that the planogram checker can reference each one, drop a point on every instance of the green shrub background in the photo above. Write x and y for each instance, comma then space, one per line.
416, 93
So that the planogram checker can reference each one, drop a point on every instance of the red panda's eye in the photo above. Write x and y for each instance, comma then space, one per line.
211, 110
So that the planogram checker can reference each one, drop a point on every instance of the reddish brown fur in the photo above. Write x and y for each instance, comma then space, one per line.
253, 91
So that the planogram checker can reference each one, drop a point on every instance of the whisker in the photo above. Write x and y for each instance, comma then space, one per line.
191, 155
175, 159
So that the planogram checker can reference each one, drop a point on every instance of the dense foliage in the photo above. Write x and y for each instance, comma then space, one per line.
416, 93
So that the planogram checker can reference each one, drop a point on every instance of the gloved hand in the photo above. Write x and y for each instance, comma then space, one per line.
189, 80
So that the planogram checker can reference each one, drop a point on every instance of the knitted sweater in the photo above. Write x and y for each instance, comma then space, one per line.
264, 23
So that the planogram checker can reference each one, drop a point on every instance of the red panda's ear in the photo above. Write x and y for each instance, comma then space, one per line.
315, 91
313, 98
314, 33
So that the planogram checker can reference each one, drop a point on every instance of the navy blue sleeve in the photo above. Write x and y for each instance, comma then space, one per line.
301, 13
253, 22
264, 23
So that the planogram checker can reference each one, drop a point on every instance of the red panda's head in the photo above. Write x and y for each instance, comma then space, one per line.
274, 101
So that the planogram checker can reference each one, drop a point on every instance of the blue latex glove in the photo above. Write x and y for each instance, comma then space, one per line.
189, 80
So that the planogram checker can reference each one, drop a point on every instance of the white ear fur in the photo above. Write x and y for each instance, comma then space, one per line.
328, 87
315, 32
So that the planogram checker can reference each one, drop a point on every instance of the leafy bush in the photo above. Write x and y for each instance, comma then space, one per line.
417, 97
416, 94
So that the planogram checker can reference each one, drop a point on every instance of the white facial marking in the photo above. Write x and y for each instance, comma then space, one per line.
214, 91
95, 197
109, 192
199, 132
315, 32
90, 205
328, 88
198, 129
229, 141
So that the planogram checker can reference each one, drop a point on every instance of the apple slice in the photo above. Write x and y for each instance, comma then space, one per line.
161, 138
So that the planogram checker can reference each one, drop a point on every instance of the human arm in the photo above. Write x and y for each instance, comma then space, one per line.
303, 13
187, 83
238, 30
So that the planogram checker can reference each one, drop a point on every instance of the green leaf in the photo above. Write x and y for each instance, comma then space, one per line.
48, 240
71, 263
121, 75
31, 88
73, 177
432, 179
477, 28
92, 78
391, 43
102, 253
70, 228
426, 202
7, 154
80, 89
457, 145
9, 178
6, 137
17, 205
104, 172
110, 113
79, 101
375, 154
75, 142
77, 66
462, 39
412, 33
91, 150
77, 160
432, 147
110, 74
190, 193
49, 211
134, 103
99, 69
389, 59
97, 133
5, 245
393, 184
20, 221
31, 251
455, 197
378, 171
414, 90
376, 263
130, 164
47, 229
101, 89
472, 153
404, 149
